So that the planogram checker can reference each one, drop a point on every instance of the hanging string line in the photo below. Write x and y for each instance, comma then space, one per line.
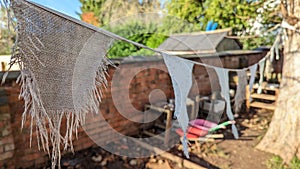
117, 37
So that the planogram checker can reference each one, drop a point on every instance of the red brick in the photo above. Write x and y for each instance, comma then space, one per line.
9, 147
33, 156
4, 110
1, 149
139, 87
6, 131
6, 140
3, 124
6, 155
13, 98
41, 160
8, 164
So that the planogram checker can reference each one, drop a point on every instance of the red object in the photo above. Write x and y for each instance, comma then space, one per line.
197, 131
188, 135
192, 132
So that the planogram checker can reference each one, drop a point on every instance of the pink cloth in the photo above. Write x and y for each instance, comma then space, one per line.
202, 124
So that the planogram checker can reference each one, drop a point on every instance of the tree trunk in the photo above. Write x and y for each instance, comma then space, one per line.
283, 135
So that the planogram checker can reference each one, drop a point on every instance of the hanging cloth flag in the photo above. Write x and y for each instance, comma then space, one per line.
277, 50
268, 69
180, 71
240, 95
253, 69
224, 83
62, 65
262, 64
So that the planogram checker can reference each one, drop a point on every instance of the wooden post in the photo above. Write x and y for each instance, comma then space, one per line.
168, 126
248, 98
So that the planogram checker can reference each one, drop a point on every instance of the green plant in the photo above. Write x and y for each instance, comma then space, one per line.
151, 34
250, 19
7, 35
277, 163
138, 32
295, 163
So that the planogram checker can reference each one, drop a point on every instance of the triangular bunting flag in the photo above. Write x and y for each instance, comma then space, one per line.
261, 74
62, 63
240, 95
224, 83
253, 69
180, 71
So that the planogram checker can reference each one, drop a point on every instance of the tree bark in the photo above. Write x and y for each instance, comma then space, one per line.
283, 135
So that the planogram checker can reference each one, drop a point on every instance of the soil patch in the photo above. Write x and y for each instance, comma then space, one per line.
226, 153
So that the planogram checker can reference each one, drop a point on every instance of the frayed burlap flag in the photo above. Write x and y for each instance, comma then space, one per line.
63, 65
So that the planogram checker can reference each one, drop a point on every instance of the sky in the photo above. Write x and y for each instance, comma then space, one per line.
69, 7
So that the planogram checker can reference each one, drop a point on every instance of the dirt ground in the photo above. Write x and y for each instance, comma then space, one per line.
226, 153
241, 153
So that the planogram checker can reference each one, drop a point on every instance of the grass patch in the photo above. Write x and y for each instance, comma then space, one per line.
277, 163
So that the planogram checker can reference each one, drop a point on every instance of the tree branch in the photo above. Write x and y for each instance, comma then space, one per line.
254, 36
291, 19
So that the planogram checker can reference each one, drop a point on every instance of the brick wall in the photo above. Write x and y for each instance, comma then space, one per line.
7, 146
134, 84
145, 78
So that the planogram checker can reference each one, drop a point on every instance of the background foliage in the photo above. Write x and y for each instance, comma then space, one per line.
6, 36
150, 33
277, 163
249, 20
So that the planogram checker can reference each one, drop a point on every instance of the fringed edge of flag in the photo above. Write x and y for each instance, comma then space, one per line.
47, 125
